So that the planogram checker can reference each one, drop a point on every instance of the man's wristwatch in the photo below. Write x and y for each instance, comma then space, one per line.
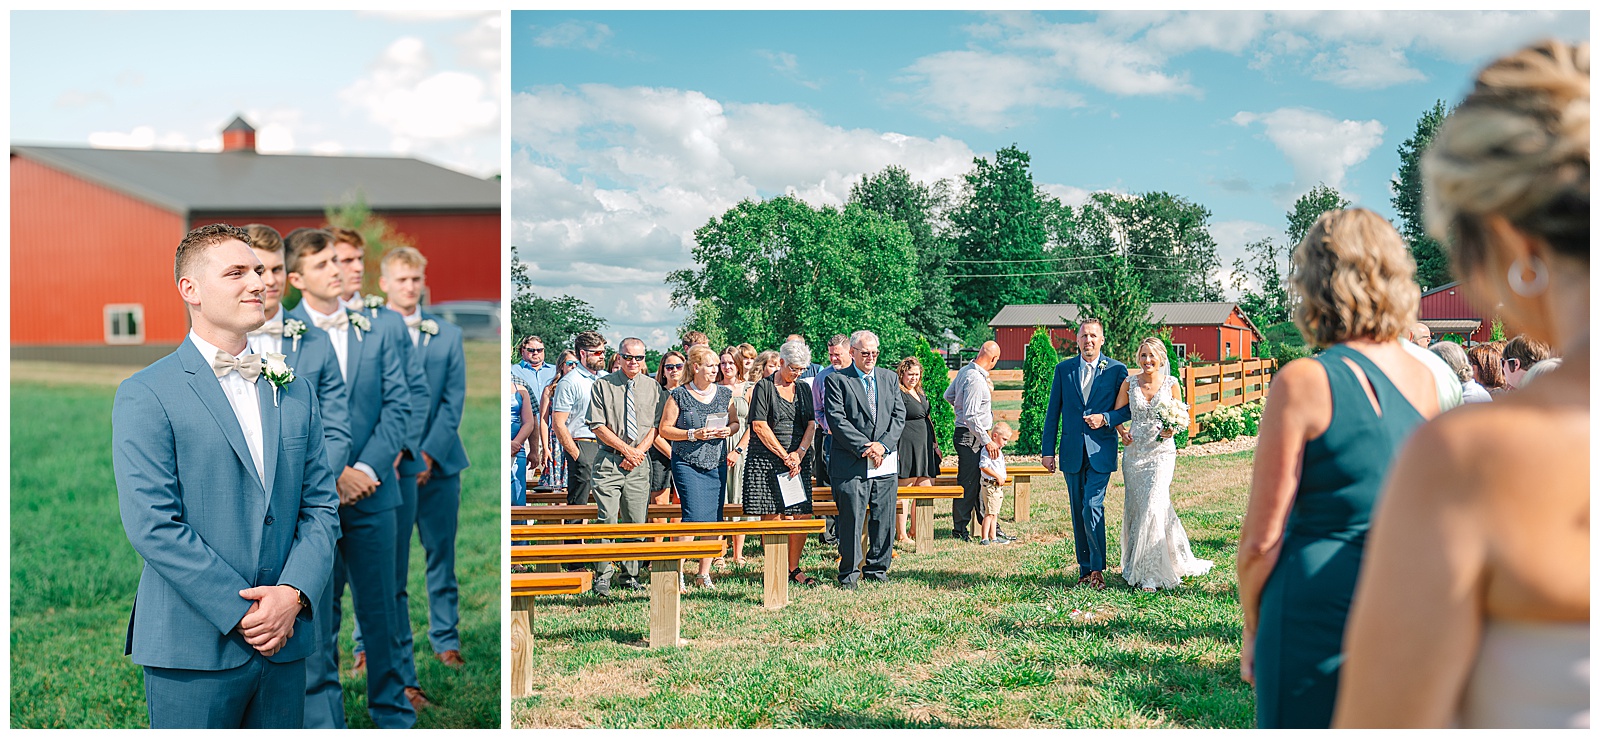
305, 603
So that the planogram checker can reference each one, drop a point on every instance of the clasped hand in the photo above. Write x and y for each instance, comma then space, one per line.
353, 485
269, 623
874, 454
1095, 420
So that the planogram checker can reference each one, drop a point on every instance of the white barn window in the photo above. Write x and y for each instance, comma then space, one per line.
124, 323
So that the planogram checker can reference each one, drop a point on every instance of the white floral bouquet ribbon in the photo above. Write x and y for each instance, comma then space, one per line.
1173, 415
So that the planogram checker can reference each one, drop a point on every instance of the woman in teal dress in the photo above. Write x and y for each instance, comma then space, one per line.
1330, 428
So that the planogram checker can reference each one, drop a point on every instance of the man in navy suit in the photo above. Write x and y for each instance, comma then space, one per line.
373, 365
867, 414
1081, 417
225, 491
305, 348
434, 471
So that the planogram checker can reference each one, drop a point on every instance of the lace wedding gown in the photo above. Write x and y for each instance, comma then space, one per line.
1155, 549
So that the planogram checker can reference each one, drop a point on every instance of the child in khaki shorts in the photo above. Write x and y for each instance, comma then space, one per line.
993, 479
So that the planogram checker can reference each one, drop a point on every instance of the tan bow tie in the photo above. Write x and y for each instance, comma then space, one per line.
248, 366
337, 320
413, 320
270, 329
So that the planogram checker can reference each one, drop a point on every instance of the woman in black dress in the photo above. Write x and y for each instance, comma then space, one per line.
918, 450
781, 424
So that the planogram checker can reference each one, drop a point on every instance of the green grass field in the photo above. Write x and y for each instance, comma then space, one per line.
73, 573
968, 636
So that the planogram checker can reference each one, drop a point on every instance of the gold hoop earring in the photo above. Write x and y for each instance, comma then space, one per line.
1524, 287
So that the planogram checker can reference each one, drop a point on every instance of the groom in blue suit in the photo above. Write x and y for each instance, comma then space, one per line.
225, 492
1081, 418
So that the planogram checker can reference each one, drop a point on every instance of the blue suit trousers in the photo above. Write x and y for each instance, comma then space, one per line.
258, 694
1086, 491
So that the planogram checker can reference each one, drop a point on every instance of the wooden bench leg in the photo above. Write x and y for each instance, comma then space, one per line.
924, 513
665, 616
1019, 498
521, 645
775, 570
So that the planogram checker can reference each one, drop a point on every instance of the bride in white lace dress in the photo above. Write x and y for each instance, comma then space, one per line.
1155, 549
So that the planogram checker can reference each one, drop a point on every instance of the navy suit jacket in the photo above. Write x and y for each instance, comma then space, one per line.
844, 401
442, 365
206, 524
313, 361
380, 404
1063, 419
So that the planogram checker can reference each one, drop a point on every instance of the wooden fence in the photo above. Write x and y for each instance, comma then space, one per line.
1219, 385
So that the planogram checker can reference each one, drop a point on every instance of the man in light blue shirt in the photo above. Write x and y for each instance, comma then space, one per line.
536, 373
969, 393
569, 414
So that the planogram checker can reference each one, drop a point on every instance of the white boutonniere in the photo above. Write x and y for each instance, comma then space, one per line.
277, 371
373, 303
1103, 364
360, 323
428, 328
292, 329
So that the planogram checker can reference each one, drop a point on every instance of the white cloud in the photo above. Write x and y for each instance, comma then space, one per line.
1231, 238
1319, 148
1067, 194
145, 137
427, 16
788, 65
80, 98
572, 34
609, 184
424, 109
982, 89
479, 46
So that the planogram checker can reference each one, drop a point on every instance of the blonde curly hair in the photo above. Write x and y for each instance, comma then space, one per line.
1352, 278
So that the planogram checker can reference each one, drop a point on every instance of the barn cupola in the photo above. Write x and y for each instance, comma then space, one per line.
239, 136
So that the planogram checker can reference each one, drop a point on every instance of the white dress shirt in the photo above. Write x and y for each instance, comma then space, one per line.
246, 403
339, 336
1086, 376
262, 343
413, 323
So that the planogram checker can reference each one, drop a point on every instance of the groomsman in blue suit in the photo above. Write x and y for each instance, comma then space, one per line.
225, 491
373, 363
434, 472
1082, 417
305, 348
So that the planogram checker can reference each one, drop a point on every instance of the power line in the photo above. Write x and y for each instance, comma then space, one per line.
1067, 272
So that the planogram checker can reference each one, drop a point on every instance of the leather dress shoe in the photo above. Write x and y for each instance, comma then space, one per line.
451, 658
419, 700
359, 664
1097, 580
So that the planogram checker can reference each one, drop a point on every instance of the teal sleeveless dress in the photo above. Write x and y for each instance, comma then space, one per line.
1304, 603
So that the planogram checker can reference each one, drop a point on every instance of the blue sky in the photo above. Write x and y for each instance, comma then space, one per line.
630, 129
425, 84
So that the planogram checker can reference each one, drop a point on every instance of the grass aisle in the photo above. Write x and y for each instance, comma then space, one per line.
73, 573
968, 636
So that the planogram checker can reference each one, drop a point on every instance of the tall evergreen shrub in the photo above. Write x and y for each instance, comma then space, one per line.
1038, 368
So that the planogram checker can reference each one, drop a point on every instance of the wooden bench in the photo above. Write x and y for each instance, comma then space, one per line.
547, 498
1021, 486
922, 511
550, 583
666, 561
591, 512
774, 541
524, 586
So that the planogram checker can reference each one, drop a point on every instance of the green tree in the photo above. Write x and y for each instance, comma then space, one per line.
1167, 244
379, 235
999, 234
1308, 208
1433, 269
893, 193
705, 318
935, 380
1038, 369
556, 320
779, 266
1268, 302
1497, 330
1116, 297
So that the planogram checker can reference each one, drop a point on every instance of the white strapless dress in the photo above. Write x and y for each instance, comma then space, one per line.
1529, 675
1155, 548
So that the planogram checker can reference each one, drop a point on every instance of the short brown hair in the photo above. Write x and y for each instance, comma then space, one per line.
407, 255
695, 355
1088, 321
661, 369
1352, 278
1526, 351
302, 243
695, 337
197, 241
349, 236
264, 237
1485, 361
588, 340
905, 366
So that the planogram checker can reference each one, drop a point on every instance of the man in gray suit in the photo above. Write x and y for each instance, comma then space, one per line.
866, 413
225, 492
624, 410
373, 363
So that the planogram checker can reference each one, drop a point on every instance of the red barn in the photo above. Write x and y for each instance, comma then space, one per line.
93, 232
1445, 310
1203, 331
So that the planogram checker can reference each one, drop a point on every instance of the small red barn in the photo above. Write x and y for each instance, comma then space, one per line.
1445, 310
1203, 331
93, 232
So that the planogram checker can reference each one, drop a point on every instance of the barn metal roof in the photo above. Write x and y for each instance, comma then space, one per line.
231, 182
1165, 314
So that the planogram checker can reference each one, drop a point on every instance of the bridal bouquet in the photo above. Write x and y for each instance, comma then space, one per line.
1173, 414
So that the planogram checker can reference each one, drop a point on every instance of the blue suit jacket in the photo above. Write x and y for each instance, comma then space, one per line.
380, 404
1063, 419
388, 321
313, 361
441, 364
844, 401
205, 523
